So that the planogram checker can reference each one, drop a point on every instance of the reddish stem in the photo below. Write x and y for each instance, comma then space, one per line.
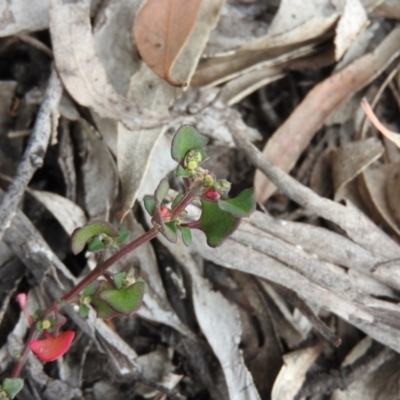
100, 269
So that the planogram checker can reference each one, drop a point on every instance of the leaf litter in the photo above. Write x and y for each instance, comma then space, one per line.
224, 322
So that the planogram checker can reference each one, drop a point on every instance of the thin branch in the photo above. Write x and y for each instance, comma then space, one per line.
34, 153
303, 307
357, 226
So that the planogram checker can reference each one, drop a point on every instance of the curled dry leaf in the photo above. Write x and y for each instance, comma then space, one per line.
161, 31
81, 70
291, 138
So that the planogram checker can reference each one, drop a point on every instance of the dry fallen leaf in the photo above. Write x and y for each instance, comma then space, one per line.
161, 31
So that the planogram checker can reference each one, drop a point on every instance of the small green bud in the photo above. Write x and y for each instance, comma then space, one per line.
191, 165
223, 187
208, 180
86, 300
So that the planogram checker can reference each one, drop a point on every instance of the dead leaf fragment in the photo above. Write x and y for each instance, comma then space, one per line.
161, 31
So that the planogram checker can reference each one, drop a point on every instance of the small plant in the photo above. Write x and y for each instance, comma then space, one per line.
122, 293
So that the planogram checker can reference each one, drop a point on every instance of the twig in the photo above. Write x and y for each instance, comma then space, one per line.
37, 44
357, 226
316, 322
34, 153
323, 384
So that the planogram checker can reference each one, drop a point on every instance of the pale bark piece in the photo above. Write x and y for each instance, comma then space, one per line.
242, 86
161, 31
135, 149
353, 20
219, 321
237, 255
291, 138
293, 13
112, 33
67, 213
352, 158
16, 17
81, 70
357, 226
293, 372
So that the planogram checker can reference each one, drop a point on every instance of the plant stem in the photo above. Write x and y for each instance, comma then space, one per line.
99, 270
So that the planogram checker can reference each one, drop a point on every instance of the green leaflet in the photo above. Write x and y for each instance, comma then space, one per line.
186, 138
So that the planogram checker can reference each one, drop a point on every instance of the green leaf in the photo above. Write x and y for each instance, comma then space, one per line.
91, 288
96, 245
240, 206
177, 199
180, 171
103, 310
82, 235
149, 204
215, 223
12, 386
186, 235
161, 191
124, 301
171, 231
185, 139
119, 279
123, 236
84, 310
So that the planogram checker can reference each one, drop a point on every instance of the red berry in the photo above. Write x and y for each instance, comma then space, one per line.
212, 194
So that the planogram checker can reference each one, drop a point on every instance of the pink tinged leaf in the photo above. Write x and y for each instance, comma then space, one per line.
51, 349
